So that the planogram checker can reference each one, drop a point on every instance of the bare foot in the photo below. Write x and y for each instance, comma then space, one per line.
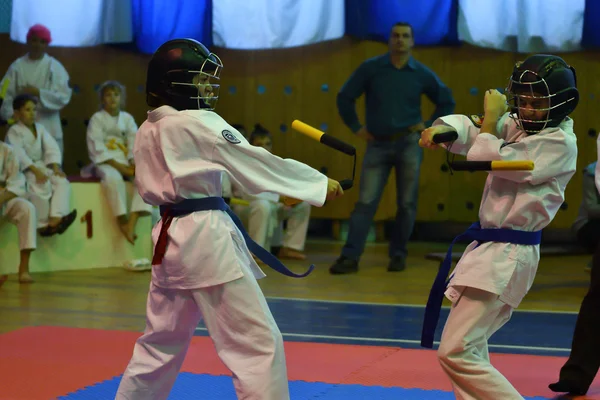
131, 228
3, 279
25, 278
291, 254
130, 236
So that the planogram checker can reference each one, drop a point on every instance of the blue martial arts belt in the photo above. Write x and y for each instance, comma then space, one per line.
168, 212
475, 232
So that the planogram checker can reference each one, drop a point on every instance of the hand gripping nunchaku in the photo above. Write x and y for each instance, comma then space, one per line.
330, 141
516, 165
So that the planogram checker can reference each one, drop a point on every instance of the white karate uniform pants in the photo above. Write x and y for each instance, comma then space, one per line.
22, 213
264, 221
51, 198
241, 327
463, 351
116, 192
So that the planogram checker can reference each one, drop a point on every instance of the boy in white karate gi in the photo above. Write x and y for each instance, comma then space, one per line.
15, 209
42, 76
47, 186
110, 138
265, 214
202, 265
498, 268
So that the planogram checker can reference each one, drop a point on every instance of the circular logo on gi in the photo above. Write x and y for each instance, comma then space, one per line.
230, 137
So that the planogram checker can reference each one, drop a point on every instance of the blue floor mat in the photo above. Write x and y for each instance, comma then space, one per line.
190, 386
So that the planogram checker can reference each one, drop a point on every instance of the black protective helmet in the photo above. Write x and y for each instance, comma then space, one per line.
542, 76
173, 71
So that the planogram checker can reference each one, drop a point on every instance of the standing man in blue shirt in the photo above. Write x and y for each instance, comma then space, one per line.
393, 84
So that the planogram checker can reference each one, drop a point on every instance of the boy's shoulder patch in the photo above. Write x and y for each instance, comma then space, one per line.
230, 137
477, 120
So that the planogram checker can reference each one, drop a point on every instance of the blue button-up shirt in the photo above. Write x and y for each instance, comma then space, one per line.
393, 96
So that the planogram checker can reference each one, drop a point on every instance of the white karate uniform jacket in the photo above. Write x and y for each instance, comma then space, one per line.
111, 137
17, 211
47, 74
53, 197
520, 200
186, 161
40, 150
11, 177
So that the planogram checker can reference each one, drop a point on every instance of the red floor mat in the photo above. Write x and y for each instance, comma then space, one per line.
44, 362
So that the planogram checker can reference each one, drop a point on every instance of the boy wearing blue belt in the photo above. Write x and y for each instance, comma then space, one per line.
498, 268
202, 265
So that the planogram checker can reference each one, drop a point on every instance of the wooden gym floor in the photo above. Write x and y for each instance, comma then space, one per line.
114, 298
363, 329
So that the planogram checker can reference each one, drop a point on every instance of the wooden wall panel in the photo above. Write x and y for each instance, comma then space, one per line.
293, 81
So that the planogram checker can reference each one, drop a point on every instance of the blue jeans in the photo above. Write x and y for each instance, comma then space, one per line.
406, 156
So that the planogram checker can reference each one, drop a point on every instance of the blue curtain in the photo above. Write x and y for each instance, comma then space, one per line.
155, 22
5, 14
434, 21
591, 22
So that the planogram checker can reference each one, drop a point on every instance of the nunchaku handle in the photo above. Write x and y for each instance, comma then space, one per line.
492, 165
324, 138
520, 165
4, 88
346, 184
445, 137
337, 144
330, 141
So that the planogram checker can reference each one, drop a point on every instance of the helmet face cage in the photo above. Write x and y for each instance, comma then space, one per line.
523, 94
207, 94
526, 92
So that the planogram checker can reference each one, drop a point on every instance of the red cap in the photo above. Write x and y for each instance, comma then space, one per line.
39, 31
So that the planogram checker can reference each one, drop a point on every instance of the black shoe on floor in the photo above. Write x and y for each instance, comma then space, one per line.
343, 265
397, 264
567, 387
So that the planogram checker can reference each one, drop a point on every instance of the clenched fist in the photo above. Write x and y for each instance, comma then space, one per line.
334, 189
494, 104
428, 134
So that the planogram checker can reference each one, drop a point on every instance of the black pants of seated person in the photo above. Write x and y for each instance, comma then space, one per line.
581, 368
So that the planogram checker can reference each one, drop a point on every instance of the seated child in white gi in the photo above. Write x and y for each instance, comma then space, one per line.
265, 214
47, 186
15, 209
498, 268
110, 138
202, 266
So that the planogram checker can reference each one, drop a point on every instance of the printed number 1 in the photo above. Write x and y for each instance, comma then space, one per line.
87, 218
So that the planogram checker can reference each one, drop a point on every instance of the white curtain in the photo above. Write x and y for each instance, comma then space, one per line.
74, 23
524, 26
269, 24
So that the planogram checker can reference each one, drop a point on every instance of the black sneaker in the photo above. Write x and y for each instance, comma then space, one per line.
397, 264
343, 265
66, 221
567, 387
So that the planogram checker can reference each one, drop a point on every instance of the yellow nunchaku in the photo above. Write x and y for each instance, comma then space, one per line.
3, 91
517, 165
241, 202
327, 140
4, 88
